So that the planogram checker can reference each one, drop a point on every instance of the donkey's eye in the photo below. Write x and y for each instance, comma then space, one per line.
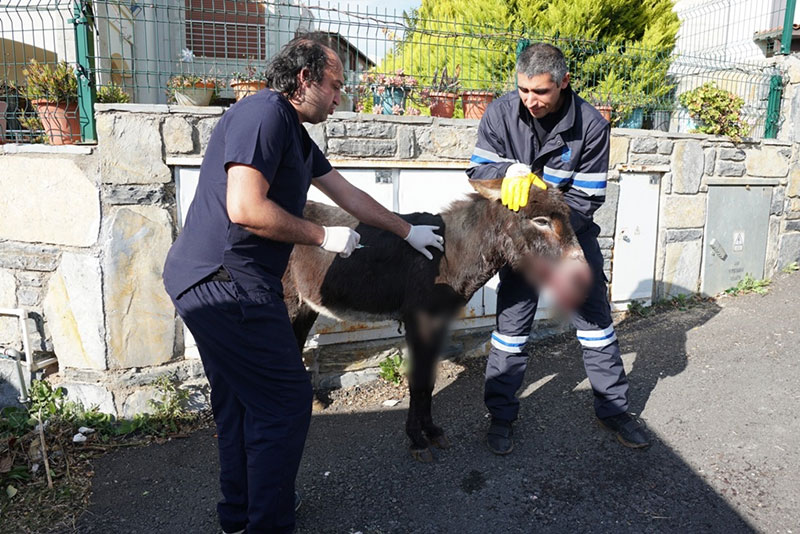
542, 222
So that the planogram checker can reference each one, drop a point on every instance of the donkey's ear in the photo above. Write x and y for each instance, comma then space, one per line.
490, 189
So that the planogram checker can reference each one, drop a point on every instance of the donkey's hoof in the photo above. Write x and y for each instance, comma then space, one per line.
422, 455
440, 442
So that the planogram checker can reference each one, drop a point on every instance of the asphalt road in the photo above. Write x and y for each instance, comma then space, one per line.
718, 386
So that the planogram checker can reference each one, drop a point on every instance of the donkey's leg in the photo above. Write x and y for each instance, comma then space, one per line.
303, 318
417, 384
423, 334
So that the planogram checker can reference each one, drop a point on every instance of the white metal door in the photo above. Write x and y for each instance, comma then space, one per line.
635, 240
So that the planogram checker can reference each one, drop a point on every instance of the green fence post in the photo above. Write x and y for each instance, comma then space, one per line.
773, 107
83, 24
788, 23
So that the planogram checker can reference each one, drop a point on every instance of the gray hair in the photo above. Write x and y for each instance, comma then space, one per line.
542, 58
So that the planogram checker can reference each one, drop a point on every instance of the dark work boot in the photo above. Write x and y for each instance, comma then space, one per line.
629, 431
498, 438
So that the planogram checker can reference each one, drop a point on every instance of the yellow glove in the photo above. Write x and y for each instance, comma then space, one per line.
516, 186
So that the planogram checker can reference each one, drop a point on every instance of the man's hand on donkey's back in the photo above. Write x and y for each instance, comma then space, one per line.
422, 236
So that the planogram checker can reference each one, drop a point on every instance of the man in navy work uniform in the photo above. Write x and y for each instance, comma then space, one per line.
548, 130
224, 276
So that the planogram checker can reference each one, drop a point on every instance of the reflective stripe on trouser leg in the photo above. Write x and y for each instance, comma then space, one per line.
505, 368
601, 354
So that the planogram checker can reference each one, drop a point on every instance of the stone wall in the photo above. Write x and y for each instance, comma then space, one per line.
84, 230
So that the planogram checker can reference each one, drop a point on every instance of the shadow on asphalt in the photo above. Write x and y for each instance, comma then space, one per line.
566, 474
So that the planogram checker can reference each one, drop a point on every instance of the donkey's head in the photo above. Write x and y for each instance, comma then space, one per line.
539, 242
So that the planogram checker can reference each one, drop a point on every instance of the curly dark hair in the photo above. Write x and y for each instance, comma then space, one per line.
303, 52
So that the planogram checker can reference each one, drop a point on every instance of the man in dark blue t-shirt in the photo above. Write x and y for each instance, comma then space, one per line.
224, 276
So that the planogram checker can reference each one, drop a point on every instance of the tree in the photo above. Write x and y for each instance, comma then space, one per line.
618, 50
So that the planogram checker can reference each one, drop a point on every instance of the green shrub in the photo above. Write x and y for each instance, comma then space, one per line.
717, 111
52, 83
112, 94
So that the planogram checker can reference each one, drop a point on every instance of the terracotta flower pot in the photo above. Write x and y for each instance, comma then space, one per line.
443, 104
605, 111
242, 89
60, 121
475, 103
199, 95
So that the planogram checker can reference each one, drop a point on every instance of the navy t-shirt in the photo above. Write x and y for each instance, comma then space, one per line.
262, 131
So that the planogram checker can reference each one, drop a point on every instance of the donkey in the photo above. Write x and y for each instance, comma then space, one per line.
389, 280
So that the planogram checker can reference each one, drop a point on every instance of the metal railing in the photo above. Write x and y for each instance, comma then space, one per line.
141, 51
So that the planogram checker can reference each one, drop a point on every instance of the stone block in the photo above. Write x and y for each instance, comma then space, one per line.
732, 154
606, 216
139, 314
789, 250
709, 158
665, 146
30, 279
767, 162
46, 200
778, 199
28, 257
135, 194
606, 243
90, 396
73, 308
688, 163
406, 142
684, 211
793, 187
644, 145
371, 130
317, 134
681, 268
177, 134
649, 159
28, 297
204, 129
792, 226
137, 402
680, 236
131, 150
362, 147
445, 143
9, 326
730, 168
618, 152
336, 129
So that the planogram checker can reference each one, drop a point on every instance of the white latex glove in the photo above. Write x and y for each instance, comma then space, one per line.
340, 239
423, 236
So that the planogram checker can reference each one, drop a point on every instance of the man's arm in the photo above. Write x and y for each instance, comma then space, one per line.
359, 204
249, 207
591, 174
488, 159
367, 210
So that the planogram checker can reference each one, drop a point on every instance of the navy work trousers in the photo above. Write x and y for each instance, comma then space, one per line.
261, 398
516, 307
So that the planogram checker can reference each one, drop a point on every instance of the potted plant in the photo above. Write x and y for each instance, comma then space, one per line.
112, 94
53, 92
716, 111
475, 102
389, 93
444, 92
190, 89
248, 82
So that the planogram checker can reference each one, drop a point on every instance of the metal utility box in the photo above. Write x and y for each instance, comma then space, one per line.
736, 235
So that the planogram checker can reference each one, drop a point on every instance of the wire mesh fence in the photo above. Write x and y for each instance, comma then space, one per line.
198, 52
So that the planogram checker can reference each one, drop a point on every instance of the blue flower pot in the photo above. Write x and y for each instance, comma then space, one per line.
391, 96
634, 120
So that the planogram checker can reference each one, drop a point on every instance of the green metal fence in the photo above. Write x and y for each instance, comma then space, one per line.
149, 54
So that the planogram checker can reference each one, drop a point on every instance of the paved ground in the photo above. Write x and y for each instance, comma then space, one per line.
717, 385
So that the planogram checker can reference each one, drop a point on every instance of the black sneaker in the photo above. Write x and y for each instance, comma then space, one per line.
498, 438
629, 431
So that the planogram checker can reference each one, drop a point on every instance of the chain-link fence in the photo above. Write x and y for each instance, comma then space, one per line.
202, 51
